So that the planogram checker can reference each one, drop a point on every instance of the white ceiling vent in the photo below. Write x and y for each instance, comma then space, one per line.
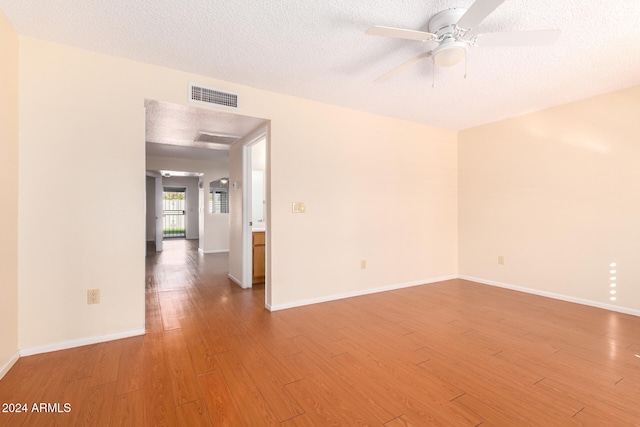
216, 138
209, 95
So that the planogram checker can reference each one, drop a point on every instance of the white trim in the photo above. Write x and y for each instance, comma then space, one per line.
234, 279
247, 233
12, 361
357, 293
79, 342
554, 296
215, 251
268, 306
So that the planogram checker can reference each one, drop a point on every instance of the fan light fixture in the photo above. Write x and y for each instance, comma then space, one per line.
450, 29
449, 53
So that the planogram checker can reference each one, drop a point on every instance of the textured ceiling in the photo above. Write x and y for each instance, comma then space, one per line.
171, 130
318, 50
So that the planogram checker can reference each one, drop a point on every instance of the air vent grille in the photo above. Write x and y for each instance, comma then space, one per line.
208, 95
216, 138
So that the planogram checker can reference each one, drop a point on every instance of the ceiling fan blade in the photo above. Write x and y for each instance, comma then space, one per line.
400, 68
518, 38
400, 33
477, 12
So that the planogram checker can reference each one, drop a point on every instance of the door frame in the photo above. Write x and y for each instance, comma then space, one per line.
247, 241
180, 189
157, 208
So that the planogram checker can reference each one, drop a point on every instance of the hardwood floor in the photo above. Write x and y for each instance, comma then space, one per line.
454, 353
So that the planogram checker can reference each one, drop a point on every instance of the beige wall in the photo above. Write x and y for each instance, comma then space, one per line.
557, 193
9, 178
375, 188
81, 128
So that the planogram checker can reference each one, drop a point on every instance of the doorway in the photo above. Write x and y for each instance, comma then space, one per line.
183, 139
250, 230
174, 202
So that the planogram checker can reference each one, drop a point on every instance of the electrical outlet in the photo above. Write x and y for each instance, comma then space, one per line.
298, 207
93, 296
363, 264
500, 259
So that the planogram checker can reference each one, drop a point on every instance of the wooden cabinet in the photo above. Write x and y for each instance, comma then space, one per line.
259, 257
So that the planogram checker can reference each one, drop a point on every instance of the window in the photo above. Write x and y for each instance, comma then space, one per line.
219, 196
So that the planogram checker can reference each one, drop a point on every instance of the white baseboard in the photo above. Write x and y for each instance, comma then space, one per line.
237, 281
215, 251
12, 361
234, 279
357, 293
79, 342
554, 296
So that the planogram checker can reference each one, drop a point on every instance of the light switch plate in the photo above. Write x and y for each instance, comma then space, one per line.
298, 207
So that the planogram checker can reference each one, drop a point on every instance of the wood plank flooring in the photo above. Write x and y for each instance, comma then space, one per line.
454, 353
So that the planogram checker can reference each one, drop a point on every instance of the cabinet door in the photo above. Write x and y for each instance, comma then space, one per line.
258, 257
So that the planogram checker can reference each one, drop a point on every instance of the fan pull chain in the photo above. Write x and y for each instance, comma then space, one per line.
465, 66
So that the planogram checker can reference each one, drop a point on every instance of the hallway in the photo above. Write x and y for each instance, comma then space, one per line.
186, 289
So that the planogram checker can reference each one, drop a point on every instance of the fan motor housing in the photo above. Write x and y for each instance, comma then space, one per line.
444, 22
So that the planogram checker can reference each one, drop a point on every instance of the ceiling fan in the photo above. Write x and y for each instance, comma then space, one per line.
450, 28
